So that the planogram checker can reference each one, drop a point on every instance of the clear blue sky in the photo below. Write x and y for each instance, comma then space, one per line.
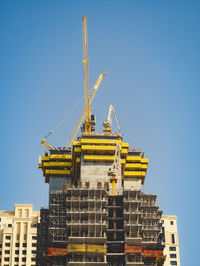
150, 51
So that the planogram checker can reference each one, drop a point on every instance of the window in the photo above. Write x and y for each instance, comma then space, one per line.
9, 225
20, 212
24, 259
24, 245
0, 253
34, 237
17, 236
33, 259
17, 252
173, 238
34, 245
16, 259
173, 262
17, 245
33, 251
6, 259
7, 251
34, 225
24, 252
25, 237
172, 255
107, 186
172, 248
163, 232
171, 222
7, 244
0, 245
27, 212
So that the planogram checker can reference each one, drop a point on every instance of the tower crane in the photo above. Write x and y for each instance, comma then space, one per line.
88, 96
86, 112
107, 124
87, 125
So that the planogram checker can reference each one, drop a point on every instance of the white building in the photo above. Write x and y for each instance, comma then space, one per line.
18, 236
170, 240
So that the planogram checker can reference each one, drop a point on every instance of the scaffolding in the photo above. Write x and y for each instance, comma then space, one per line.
115, 232
42, 237
88, 226
57, 218
86, 221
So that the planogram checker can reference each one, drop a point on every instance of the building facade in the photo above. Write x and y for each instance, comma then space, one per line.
18, 236
170, 240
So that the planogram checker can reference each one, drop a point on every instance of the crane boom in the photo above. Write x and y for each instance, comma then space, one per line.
107, 124
44, 142
86, 76
83, 113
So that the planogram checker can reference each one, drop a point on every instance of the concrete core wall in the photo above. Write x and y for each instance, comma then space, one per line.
133, 183
56, 183
94, 172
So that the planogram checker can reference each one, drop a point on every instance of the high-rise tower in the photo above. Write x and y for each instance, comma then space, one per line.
98, 214
87, 223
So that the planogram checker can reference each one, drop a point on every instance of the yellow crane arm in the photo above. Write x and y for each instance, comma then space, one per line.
76, 128
83, 113
44, 142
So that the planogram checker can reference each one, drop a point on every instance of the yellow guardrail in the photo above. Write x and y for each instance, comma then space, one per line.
101, 158
56, 164
98, 148
86, 248
134, 174
60, 157
133, 158
100, 141
57, 172
144, 160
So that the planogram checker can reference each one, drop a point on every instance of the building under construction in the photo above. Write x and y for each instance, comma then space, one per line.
98, 214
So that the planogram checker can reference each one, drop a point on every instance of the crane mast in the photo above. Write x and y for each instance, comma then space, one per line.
86, 77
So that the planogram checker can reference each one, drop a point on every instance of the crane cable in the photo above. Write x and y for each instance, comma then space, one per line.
64, 118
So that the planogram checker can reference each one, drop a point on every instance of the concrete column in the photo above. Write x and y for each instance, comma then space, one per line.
29, 244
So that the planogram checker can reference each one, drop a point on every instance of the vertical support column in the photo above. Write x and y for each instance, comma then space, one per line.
29, 244
13, 243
